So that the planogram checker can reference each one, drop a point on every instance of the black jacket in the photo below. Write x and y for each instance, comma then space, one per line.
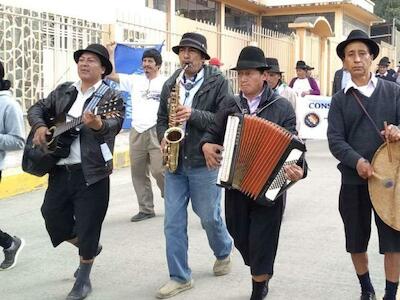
279, 112
206, 102
272, 107
337, 81
55, 106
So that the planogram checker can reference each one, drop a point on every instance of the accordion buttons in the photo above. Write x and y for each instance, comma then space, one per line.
185, 157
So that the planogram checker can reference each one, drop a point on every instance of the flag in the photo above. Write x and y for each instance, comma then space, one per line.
128, 60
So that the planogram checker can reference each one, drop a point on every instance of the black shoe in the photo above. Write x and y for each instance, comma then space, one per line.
11, 254
142, 216
265, 290
367, 296
80, 291
99, 248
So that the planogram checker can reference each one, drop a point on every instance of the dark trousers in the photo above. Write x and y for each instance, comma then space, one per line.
73, 209
255, 230
5, 240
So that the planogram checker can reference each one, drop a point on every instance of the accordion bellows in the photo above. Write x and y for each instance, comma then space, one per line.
255, 151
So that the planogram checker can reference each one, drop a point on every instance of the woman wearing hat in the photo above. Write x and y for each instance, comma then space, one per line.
12, 137
77, 196
254, 227
355, 132
302, 84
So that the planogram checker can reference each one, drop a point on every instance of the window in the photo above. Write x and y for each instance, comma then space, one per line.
204, 10
240, 20
157, 4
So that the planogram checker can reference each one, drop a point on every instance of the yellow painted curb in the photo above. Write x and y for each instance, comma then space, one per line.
20, 182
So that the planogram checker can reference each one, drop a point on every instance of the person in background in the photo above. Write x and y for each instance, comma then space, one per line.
12, 137
275, 82
383, 70
340, 80
215, 61
303, 85
144, 148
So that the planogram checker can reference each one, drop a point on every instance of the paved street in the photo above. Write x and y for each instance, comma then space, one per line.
311, 261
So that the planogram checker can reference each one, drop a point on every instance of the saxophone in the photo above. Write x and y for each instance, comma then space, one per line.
174, 134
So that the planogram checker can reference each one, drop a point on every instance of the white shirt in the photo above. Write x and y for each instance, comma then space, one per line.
253, 103
76, 111
145, 97
366, 90
301, 85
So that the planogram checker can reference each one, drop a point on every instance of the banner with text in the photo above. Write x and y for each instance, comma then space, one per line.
312, 116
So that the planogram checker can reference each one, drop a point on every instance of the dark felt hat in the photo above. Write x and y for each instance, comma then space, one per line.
273, 65
251, 58
360, 36
193, 40
300, 64
101, 52
384, 61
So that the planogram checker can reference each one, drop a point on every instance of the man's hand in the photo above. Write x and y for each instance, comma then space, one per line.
213, 155
293, 172
183, 113
92, 121
364, 168
41, 135
111, 48
162, 145
392, 133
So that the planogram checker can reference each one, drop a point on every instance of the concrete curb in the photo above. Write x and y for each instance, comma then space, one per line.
15, 181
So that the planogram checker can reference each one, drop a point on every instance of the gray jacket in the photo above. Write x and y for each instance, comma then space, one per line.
206, 102
56, 104
12, 132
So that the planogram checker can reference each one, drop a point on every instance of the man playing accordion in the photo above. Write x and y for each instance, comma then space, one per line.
253, 226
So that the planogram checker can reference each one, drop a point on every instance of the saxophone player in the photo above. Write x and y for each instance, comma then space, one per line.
201, 90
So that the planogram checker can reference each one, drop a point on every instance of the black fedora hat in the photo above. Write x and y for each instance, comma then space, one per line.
273, 65
301, 64
251, 58
361, 36
384, 61
101, 52
194, 40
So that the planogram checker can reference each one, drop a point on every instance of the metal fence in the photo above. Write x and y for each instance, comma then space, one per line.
37, 49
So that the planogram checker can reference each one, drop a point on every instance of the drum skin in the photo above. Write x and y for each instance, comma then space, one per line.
386, 200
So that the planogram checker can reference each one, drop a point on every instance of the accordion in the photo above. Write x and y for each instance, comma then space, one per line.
254, 156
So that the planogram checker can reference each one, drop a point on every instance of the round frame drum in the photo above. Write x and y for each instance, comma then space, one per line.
386, 197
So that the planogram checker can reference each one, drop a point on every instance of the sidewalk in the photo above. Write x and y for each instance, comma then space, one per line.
15, 181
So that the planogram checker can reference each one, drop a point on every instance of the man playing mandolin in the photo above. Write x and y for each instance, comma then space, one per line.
78, 190
355, 131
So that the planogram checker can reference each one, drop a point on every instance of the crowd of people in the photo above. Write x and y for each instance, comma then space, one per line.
195, 102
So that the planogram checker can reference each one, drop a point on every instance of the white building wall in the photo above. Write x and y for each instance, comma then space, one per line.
100, 11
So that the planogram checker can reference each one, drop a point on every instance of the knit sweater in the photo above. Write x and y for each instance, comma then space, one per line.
351, 135
12, 133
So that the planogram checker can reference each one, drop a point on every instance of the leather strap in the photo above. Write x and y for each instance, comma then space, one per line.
367, 114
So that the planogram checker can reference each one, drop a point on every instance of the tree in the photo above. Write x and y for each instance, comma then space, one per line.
388, 9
